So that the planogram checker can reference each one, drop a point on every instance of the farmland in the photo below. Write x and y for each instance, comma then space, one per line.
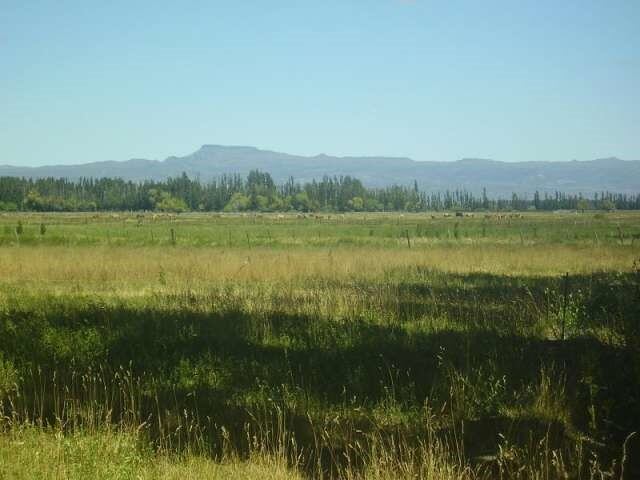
140, 345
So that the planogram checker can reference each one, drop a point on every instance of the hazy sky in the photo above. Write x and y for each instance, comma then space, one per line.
510, 80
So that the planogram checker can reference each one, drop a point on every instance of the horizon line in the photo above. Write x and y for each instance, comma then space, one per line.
319, 155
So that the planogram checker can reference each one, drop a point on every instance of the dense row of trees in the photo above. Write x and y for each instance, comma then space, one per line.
258, 192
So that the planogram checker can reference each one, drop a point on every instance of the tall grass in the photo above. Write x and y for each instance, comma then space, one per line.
317, 350
93, 426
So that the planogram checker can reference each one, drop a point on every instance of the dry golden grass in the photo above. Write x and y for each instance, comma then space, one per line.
123, 268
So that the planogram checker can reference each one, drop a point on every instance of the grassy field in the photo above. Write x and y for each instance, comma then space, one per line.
289, 346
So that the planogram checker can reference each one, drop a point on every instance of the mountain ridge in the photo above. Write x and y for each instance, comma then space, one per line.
498, 177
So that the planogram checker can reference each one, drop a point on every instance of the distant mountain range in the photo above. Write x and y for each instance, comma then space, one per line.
499, 178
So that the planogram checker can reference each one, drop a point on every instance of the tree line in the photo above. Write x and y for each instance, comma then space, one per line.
259, 192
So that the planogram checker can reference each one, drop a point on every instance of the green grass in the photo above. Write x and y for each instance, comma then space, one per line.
35, 453
312, 231
321, 348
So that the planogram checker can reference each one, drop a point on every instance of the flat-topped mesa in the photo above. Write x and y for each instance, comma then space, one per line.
210, 147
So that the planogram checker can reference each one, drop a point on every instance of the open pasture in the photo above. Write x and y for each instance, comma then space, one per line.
318, 230
321, 345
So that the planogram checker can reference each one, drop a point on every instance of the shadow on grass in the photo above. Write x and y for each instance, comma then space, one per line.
232, 368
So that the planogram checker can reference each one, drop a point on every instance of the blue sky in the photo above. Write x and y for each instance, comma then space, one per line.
510, 80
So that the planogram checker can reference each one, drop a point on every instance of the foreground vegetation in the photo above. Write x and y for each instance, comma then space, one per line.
375, 346
36, 453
